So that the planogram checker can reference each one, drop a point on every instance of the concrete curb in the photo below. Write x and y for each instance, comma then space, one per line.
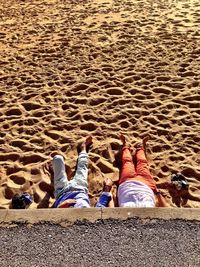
93, 214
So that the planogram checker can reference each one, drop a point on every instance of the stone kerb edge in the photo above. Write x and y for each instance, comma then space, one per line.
93, 214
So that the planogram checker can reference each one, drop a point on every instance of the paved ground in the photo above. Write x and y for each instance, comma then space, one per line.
134, 242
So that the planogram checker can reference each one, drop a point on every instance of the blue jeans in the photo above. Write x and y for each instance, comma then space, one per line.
78, 183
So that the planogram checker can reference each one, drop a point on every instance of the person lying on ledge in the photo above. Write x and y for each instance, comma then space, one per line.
73, 193
137, 187
106, 197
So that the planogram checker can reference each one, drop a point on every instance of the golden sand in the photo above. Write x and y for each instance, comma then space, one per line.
74, 68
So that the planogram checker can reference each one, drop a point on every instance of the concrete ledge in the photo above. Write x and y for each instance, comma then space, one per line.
153, 213
93, 214
49, 215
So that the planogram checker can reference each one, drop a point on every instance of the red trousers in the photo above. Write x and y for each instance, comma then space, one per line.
140, 172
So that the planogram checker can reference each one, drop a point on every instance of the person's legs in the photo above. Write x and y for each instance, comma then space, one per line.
127, 168
60, 176
80, 180
142, 167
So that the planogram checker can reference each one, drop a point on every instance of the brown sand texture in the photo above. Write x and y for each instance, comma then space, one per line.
75, 68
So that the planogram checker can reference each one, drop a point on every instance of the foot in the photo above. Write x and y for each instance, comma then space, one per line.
108, 183
145, 140
123, 139
143, 143
86, 143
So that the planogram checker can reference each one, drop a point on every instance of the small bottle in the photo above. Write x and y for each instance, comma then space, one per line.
104, 200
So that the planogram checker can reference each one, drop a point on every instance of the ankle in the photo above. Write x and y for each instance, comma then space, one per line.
139, 146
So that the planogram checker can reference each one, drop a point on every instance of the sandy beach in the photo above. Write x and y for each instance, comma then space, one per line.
69, 69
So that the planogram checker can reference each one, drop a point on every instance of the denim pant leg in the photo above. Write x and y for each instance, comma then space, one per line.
60, 176
80, 180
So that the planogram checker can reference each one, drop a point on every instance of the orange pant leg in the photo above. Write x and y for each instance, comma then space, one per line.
142, 169
127, 168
